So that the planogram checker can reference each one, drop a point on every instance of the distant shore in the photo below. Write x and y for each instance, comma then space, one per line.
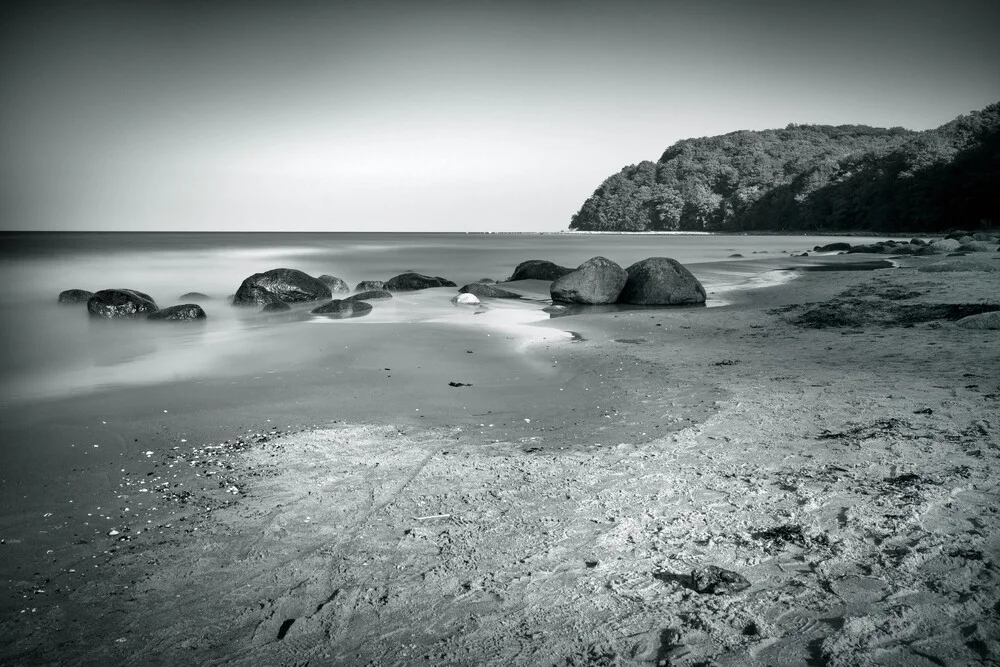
551, 508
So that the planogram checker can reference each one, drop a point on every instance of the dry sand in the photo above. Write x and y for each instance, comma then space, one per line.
847, 472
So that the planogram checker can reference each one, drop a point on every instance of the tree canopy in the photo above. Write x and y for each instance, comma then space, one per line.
811, 177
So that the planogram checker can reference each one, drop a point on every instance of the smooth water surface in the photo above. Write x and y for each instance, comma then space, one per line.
49, 350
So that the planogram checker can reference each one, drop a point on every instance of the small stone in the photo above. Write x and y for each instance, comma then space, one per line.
465, 300
716, 581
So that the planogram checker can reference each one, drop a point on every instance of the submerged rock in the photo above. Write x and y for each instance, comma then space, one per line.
370, 295
341, 309
482, 290
74, 296
410, 282
596, 281
465, 300
120, 303
369, 285
186, 312
336, 285
275, 307
191, 296
661, 281
289, 285
539, 269
982, 321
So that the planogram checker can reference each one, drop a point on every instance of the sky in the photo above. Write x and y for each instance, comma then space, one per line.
433, 116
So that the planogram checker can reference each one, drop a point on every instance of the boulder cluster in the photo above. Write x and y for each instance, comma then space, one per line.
655, 281
956, 243
116, 304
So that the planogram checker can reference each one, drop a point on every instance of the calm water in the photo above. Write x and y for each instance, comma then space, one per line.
47, 350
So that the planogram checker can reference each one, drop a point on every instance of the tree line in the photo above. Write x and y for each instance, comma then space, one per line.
811, 178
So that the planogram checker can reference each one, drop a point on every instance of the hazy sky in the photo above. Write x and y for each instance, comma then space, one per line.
451, 116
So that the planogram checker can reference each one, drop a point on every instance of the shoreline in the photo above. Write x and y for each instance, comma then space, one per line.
680, 438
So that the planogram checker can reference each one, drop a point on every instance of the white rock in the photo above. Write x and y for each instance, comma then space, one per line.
465, 300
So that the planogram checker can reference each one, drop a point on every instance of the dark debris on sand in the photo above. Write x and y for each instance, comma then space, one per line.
853, 312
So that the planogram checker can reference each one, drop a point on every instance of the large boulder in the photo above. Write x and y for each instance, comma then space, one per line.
943, 246
832, 247
539, 269
369, 285
336, 285
186, 312
596, 281
410, 282
75, 296
288, 285
661, 281
120, 303
370, 295
342, 309
483, 290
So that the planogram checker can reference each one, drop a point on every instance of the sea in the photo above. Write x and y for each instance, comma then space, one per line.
51, 351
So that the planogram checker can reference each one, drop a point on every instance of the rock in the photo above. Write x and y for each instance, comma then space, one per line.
981, 321
539, 269
957, 234
880, 248
275, 307
483, 290
943, 246
336, 285
287, 285
369, 295
661, 281
485, 281
735, 256
987, 237
120, 303
187, 312
75, 296
465, 300
967, 239
342, 309
596, 281
555, 309
192, 296
918, 242
979, 246
717, 581
369, 285
832, 247
409, 282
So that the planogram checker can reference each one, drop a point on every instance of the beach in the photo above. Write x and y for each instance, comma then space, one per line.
551, 507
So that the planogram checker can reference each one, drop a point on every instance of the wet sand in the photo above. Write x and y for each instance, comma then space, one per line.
552, 511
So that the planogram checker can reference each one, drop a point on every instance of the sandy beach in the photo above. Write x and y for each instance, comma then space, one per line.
551, 508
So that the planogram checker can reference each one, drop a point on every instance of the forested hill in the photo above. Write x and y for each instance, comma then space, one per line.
811, 177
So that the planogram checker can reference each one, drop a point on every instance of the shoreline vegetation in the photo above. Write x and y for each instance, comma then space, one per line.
809, 178
830, 444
